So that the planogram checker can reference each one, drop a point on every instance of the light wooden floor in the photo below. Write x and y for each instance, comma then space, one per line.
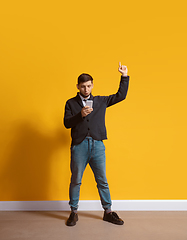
51, 225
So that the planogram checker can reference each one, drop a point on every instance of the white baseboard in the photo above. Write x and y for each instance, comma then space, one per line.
95, 205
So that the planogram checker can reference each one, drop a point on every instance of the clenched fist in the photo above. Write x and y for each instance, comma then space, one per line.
86, 110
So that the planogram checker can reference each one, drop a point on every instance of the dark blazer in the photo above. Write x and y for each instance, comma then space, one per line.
94, 123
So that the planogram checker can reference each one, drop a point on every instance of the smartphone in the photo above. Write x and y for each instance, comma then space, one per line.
89, 103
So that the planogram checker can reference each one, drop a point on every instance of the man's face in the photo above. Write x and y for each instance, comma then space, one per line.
85, 88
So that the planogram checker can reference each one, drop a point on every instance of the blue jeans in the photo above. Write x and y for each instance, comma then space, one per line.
93, 152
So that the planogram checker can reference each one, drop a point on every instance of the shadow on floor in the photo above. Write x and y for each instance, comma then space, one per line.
57, 215
89, 215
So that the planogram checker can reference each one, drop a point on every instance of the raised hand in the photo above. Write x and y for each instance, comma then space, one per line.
123, 69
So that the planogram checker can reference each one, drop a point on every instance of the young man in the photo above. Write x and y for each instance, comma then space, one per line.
88, 132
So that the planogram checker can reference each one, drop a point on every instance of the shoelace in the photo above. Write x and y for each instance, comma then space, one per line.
72, 215
114, 215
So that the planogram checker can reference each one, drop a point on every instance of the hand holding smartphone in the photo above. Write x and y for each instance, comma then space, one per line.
87, 109
89, 103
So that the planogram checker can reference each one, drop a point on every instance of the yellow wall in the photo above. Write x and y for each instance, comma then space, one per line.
44, 46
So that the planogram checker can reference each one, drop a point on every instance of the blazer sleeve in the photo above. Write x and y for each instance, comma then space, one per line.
121, 93
71, 120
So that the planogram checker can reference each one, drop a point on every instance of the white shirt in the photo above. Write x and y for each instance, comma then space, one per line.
82, 98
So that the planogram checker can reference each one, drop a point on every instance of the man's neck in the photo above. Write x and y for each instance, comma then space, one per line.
85, 97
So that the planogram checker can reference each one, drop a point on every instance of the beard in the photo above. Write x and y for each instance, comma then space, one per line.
84, 96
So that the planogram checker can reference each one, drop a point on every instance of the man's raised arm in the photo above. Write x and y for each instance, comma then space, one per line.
123, 88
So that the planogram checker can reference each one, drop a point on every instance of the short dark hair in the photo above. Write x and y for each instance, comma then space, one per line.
84, 77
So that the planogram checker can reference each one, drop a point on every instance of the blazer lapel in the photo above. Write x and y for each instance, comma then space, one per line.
79, 100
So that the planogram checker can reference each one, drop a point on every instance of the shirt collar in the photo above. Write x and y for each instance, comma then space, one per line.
82, 98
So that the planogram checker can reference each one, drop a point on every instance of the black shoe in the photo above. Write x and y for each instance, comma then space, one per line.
73, 218
113, 218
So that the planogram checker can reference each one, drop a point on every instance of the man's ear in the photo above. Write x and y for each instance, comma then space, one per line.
77, 86
92, 85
